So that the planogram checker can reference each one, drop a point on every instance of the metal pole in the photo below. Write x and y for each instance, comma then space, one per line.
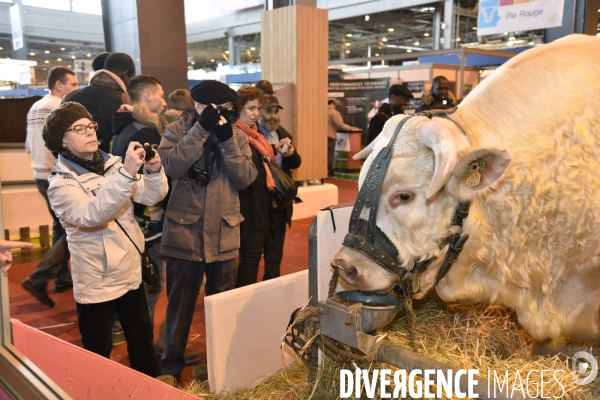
437, 14
448, 22
462, 73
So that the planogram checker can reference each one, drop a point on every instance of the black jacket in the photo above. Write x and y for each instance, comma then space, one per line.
126, 129
256, 200
101, 98
378, 121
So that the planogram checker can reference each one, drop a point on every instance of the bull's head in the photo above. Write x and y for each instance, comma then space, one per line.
424, 182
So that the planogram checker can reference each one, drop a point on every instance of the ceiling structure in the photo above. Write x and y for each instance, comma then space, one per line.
392, 32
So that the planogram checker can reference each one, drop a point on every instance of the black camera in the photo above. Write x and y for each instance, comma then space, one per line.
150, 151
230, 115
200, 176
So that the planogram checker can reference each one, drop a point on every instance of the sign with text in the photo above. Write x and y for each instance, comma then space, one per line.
16, 27
497, 16
358, 100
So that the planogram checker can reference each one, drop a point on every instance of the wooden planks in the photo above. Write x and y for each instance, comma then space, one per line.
294, 49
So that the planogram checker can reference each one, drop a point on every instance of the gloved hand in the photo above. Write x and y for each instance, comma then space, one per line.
209, 117
223, 132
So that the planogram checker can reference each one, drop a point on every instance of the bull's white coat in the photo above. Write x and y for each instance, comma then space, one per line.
534, 222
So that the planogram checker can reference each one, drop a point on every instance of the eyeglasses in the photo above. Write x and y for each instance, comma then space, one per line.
81, 128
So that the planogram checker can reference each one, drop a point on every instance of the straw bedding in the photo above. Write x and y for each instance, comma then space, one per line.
483, 337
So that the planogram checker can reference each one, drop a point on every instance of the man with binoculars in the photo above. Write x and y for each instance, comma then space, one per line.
208, 162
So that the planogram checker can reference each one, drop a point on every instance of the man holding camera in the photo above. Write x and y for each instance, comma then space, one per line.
287, 158
207, 163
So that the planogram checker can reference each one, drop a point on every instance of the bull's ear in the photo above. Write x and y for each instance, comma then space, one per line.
477, 169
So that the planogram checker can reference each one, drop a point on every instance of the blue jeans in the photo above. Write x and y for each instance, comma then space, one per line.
55, 263
183, 284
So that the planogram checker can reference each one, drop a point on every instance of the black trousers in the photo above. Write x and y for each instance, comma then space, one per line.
183, 284
330, 156
274, 245
96, 321
251, 250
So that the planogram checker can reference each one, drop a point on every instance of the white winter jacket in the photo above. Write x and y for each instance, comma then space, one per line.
104, 263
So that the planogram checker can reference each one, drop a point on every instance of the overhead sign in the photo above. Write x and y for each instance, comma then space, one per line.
498, 16
16, 27
83, 66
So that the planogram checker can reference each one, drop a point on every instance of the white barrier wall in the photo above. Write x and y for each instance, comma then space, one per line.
245, 327
314, 198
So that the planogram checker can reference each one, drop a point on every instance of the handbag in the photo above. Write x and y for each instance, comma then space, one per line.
150, 274
285, 190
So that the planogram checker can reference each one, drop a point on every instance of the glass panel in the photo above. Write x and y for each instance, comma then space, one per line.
87, 6
201, 10
53, 4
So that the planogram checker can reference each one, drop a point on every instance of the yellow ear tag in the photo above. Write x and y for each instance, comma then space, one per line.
475, 177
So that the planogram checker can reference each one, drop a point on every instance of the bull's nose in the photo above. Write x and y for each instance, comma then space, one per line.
339, 263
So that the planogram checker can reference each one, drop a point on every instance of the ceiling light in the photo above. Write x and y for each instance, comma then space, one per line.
32, 54
44, 68
8, 58
409, 51
416, 43
252, 48
46, 62
226, 51
384, 40
59, 59
376, 54
88, 54
348, 35
505, 33
220, 64
347, 51
509, 44
212, 60
47, 51
531, 43
62, 48
348, 44
69, 66
250, 62
511, 38
474, 28
367, 17
1, 48
193, 62
73, 57
431, 8
457, 39
426, 34
390, 29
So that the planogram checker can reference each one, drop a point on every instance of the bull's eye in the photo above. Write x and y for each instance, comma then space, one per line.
401, 198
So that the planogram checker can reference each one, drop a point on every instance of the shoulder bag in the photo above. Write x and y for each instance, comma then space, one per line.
150, 274
286, 190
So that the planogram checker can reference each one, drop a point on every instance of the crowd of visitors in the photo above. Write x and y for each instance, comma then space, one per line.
194, 170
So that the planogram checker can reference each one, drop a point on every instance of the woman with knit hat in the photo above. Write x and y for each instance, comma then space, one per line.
256, 201
92, 193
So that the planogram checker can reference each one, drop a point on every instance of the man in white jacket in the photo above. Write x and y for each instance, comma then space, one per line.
55, 264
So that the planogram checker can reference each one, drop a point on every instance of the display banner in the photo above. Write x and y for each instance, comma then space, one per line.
358, 100
498, 16
16, 27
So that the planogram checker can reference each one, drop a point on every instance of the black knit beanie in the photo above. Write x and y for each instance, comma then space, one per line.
59, 120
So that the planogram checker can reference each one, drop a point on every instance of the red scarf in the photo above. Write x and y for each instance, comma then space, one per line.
260, 143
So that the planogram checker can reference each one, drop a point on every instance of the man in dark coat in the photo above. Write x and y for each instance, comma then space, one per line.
144, 91
105, 94
287, 158
439, 97
399, 97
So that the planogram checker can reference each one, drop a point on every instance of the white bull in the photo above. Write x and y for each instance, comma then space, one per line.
534, 222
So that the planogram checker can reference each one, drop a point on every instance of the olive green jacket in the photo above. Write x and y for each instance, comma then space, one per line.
202, 223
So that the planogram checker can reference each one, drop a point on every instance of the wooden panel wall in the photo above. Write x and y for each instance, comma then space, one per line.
294, 49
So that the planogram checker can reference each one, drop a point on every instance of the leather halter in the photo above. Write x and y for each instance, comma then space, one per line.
365, 237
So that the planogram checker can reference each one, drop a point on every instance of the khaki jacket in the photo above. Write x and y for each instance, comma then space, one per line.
202, 223
104, 263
